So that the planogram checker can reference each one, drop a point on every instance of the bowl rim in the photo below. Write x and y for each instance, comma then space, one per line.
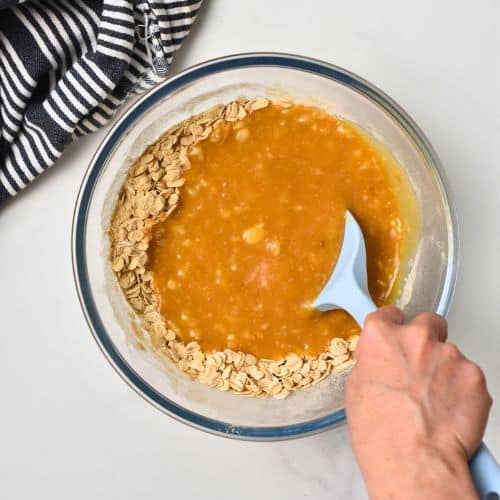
105, 149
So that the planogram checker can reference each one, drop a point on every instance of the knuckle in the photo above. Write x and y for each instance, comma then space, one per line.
474, 374
392, 315
488, 399
429, 326
372, 320
395, 312
374, 325
432, 321
384, 318
451, 351
418, 333
442, 320
424, 318
430, 317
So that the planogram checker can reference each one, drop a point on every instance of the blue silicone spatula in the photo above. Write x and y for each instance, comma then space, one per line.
347, 288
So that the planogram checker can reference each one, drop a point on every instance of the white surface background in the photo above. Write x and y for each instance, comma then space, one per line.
70, 427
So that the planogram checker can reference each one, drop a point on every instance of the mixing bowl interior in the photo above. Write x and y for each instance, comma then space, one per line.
428, 286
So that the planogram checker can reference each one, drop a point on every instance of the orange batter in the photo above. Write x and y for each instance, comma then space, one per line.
260, 228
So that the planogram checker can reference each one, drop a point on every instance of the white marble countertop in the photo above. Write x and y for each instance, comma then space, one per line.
70, 427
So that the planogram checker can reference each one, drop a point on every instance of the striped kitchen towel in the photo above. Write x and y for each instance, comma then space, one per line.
67, 65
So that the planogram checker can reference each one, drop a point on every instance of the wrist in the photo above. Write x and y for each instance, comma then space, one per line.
425, 472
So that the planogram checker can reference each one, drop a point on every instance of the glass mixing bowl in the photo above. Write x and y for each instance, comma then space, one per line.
429, 285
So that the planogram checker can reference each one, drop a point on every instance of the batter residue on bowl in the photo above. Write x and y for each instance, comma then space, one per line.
228, 227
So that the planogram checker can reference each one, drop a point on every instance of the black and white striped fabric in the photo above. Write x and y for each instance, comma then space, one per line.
67, 65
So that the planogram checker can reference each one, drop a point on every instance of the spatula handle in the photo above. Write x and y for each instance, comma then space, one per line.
485, 473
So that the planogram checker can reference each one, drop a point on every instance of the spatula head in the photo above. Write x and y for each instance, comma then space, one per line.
349, 278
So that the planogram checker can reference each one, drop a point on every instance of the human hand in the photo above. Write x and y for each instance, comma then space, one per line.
416, 408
